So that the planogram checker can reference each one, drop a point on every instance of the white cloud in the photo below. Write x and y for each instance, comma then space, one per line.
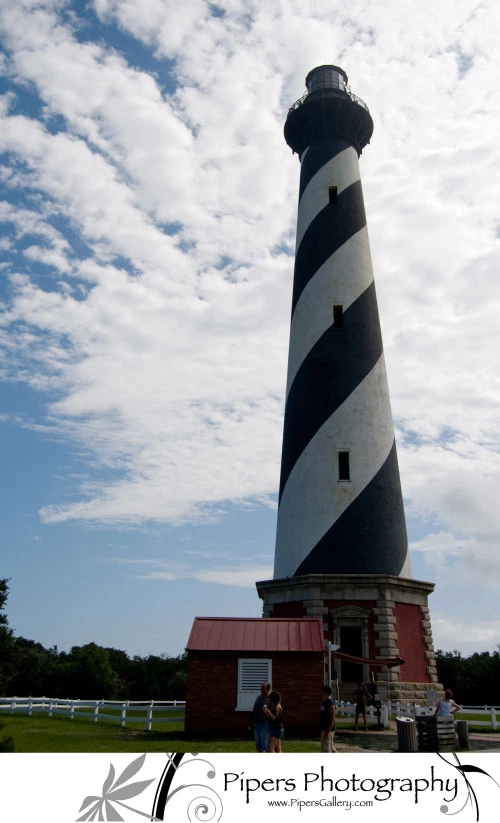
165, 338
468, 635
226, 574
440, 542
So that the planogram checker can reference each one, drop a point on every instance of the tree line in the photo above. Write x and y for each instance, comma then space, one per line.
86, 672
95, 672
474, 680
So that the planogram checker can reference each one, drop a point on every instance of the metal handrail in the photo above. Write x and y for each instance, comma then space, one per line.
328, 92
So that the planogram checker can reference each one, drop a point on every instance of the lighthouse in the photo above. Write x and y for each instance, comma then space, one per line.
341, 541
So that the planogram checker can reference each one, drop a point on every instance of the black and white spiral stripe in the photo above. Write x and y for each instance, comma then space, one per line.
337, 393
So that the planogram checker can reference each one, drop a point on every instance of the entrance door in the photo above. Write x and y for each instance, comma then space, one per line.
350, 643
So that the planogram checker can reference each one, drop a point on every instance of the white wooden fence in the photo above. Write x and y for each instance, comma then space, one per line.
345, 709
477, 712
392, 709
483, 711
96, 709
140, 709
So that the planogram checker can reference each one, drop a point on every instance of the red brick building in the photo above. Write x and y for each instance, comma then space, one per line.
370, 616
229, 658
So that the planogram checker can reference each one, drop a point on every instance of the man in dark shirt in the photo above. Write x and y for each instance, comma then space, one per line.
260, 718
327, 721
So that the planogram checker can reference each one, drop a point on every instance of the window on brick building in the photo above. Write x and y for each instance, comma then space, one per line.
252, 672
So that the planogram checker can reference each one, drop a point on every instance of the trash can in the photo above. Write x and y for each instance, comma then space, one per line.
407, 734
436, 734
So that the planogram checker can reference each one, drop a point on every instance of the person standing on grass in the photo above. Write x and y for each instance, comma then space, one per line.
260, 718
274, 715
361, 695
447, 707
327, 721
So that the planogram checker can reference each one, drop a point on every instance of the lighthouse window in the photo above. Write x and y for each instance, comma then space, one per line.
344, 473
332, 195
338, 317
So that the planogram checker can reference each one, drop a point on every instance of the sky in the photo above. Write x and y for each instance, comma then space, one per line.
147, 230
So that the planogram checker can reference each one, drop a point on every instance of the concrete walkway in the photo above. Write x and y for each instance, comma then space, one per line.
386, 740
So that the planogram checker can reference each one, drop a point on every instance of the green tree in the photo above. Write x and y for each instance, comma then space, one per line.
32, 668
473, 680
123, 667
158, 678
6, 641
85, 673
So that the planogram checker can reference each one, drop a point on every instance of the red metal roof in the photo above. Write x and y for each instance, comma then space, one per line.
257, 634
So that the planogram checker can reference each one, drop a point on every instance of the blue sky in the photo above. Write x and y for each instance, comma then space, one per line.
146, 238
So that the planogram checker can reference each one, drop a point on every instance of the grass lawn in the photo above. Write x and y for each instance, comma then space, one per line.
43, 734
59, 734
473, 724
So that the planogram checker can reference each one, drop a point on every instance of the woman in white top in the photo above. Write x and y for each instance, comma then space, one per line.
447, 707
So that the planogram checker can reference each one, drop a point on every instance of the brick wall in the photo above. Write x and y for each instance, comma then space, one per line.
411, 643
211, 695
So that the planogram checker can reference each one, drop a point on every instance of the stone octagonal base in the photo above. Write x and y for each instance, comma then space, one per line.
372, 616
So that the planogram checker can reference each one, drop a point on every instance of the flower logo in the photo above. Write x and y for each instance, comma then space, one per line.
114, 793
206, 806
